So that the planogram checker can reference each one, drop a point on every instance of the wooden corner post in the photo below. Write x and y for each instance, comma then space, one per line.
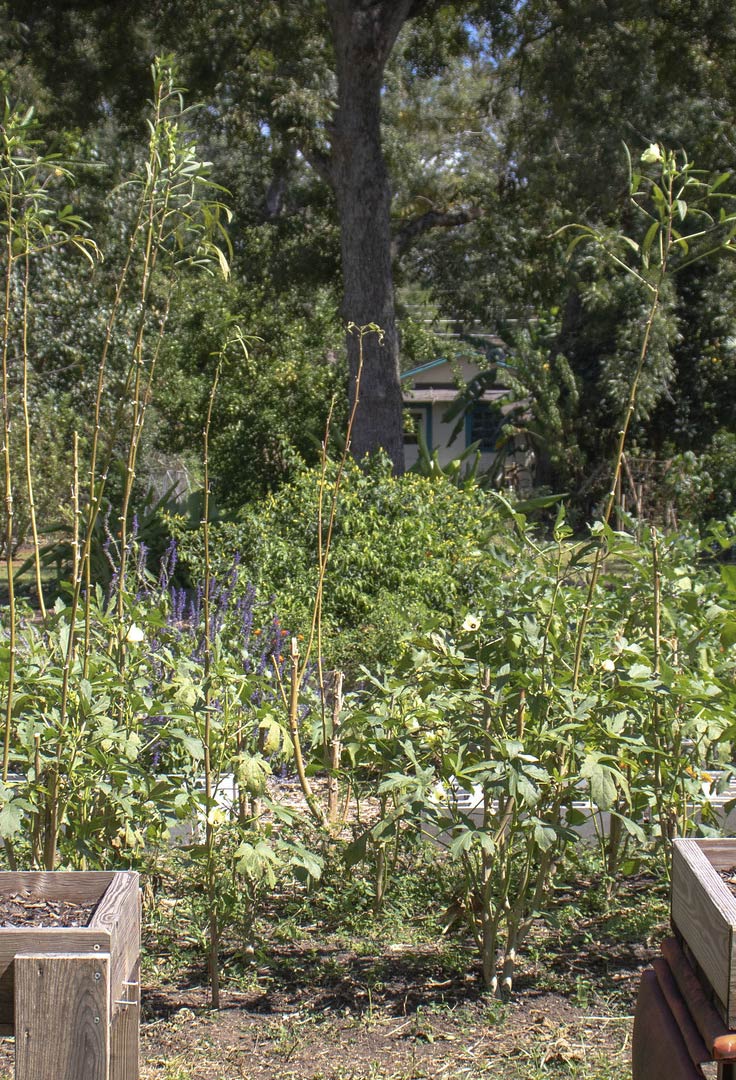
71, 995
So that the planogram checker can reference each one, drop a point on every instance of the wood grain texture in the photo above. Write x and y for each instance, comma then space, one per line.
79, 886
704, 912
118, 892
62, 1017
697, 995
62, 996
25, 941
118, 913
125, 1032
720, 852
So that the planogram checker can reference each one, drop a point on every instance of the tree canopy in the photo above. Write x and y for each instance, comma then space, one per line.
390, 162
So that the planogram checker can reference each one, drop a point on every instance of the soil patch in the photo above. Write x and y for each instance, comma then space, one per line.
323, 1010
329, 1009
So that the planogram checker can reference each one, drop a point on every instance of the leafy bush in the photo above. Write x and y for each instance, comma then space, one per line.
703, 486
114, 756
274, 398
404, 549
495, 708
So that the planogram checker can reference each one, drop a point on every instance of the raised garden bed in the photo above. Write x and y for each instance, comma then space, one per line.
704, 914
70, 993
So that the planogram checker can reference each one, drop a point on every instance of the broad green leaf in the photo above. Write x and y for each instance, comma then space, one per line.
728, 577
11, 820
461, 843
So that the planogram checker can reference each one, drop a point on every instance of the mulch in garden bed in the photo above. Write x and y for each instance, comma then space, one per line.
19, 909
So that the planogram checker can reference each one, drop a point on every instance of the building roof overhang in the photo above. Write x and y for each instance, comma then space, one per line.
429, 395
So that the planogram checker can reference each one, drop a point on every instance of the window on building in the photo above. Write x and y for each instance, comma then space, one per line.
414, 420
485, 426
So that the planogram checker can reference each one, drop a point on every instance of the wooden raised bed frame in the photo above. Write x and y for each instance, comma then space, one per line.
704, 914
71, 995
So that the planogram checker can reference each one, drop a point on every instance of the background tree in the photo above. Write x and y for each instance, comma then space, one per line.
491, 126
580, 80
307, 82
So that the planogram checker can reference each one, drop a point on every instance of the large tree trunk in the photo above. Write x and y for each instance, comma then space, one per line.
364, 32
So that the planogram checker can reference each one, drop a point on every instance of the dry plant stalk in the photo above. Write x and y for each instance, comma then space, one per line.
677, 192
300, 662
8, 480
213, 949
27, 434
213, 943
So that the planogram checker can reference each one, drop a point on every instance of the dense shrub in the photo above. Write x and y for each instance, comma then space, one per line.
629, 745
703, 486
404, 549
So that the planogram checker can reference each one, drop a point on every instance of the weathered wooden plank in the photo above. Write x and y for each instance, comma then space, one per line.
125, 1033
704, 912
30, 940
62, 1008
113, 932
709, 1023
115, 896
119, 914
76, 886
720, 852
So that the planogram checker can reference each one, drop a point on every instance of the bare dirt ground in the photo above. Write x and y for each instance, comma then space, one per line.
323, 1010
533, 1037
326, 1008
325, 990
536, 1033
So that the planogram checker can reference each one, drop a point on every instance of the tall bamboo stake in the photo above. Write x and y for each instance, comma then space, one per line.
27, 435
8, 479
214, 930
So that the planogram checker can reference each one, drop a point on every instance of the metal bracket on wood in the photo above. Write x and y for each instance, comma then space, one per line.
126, 1001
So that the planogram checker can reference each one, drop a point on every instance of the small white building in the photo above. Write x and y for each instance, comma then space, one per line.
428, 392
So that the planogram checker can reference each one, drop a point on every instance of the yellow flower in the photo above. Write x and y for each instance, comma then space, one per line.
135, 634
471, 623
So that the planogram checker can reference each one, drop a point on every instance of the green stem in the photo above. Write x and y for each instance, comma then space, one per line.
656, 288
610, 502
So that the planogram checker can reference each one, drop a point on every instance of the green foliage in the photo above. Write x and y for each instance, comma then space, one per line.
493, 708
486, 160
552, 692
703, 486
403, 548
114, 701
130, 741
273, 403
53, 421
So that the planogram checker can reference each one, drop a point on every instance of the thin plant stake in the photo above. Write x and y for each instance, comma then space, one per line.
299, 662
209, 835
